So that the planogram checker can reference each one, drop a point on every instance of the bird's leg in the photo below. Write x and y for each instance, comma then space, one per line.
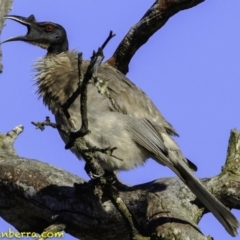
93, 169
106, 183
111, 190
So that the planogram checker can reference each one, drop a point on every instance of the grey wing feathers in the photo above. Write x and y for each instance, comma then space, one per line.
146, 136
132, 100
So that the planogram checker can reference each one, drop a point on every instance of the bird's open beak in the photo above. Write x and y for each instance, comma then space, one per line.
24, 21
34, 30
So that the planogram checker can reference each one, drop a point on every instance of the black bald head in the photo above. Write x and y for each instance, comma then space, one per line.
47, 35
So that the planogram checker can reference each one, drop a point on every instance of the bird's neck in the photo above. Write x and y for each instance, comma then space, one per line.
58, 48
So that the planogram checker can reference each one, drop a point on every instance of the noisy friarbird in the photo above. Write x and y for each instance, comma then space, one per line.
127, 121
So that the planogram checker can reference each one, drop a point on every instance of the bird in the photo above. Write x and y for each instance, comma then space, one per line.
128, 120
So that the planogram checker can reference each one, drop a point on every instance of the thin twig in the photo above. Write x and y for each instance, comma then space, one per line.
95, 62
75, 94
110, 36
80, 69
48, 123
41, 125
92, 68
78, 91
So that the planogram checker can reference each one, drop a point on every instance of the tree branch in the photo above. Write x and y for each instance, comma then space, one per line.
155, 18
35, 195
163, 209
5, 7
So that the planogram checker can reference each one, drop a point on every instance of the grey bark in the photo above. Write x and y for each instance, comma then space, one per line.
5, 7
32, 193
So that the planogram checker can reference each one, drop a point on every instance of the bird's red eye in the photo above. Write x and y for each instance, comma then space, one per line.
49, 28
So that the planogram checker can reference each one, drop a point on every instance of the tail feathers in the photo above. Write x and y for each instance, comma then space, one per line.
224, 216
191, 165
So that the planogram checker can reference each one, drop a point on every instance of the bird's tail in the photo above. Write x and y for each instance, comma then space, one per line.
224, 216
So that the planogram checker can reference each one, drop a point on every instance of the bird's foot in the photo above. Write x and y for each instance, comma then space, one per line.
95, 173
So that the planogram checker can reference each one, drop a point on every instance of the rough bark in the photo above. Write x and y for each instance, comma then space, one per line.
5, 7
33, 192
155, 18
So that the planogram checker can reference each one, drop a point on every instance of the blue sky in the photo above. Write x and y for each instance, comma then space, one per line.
190, 69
